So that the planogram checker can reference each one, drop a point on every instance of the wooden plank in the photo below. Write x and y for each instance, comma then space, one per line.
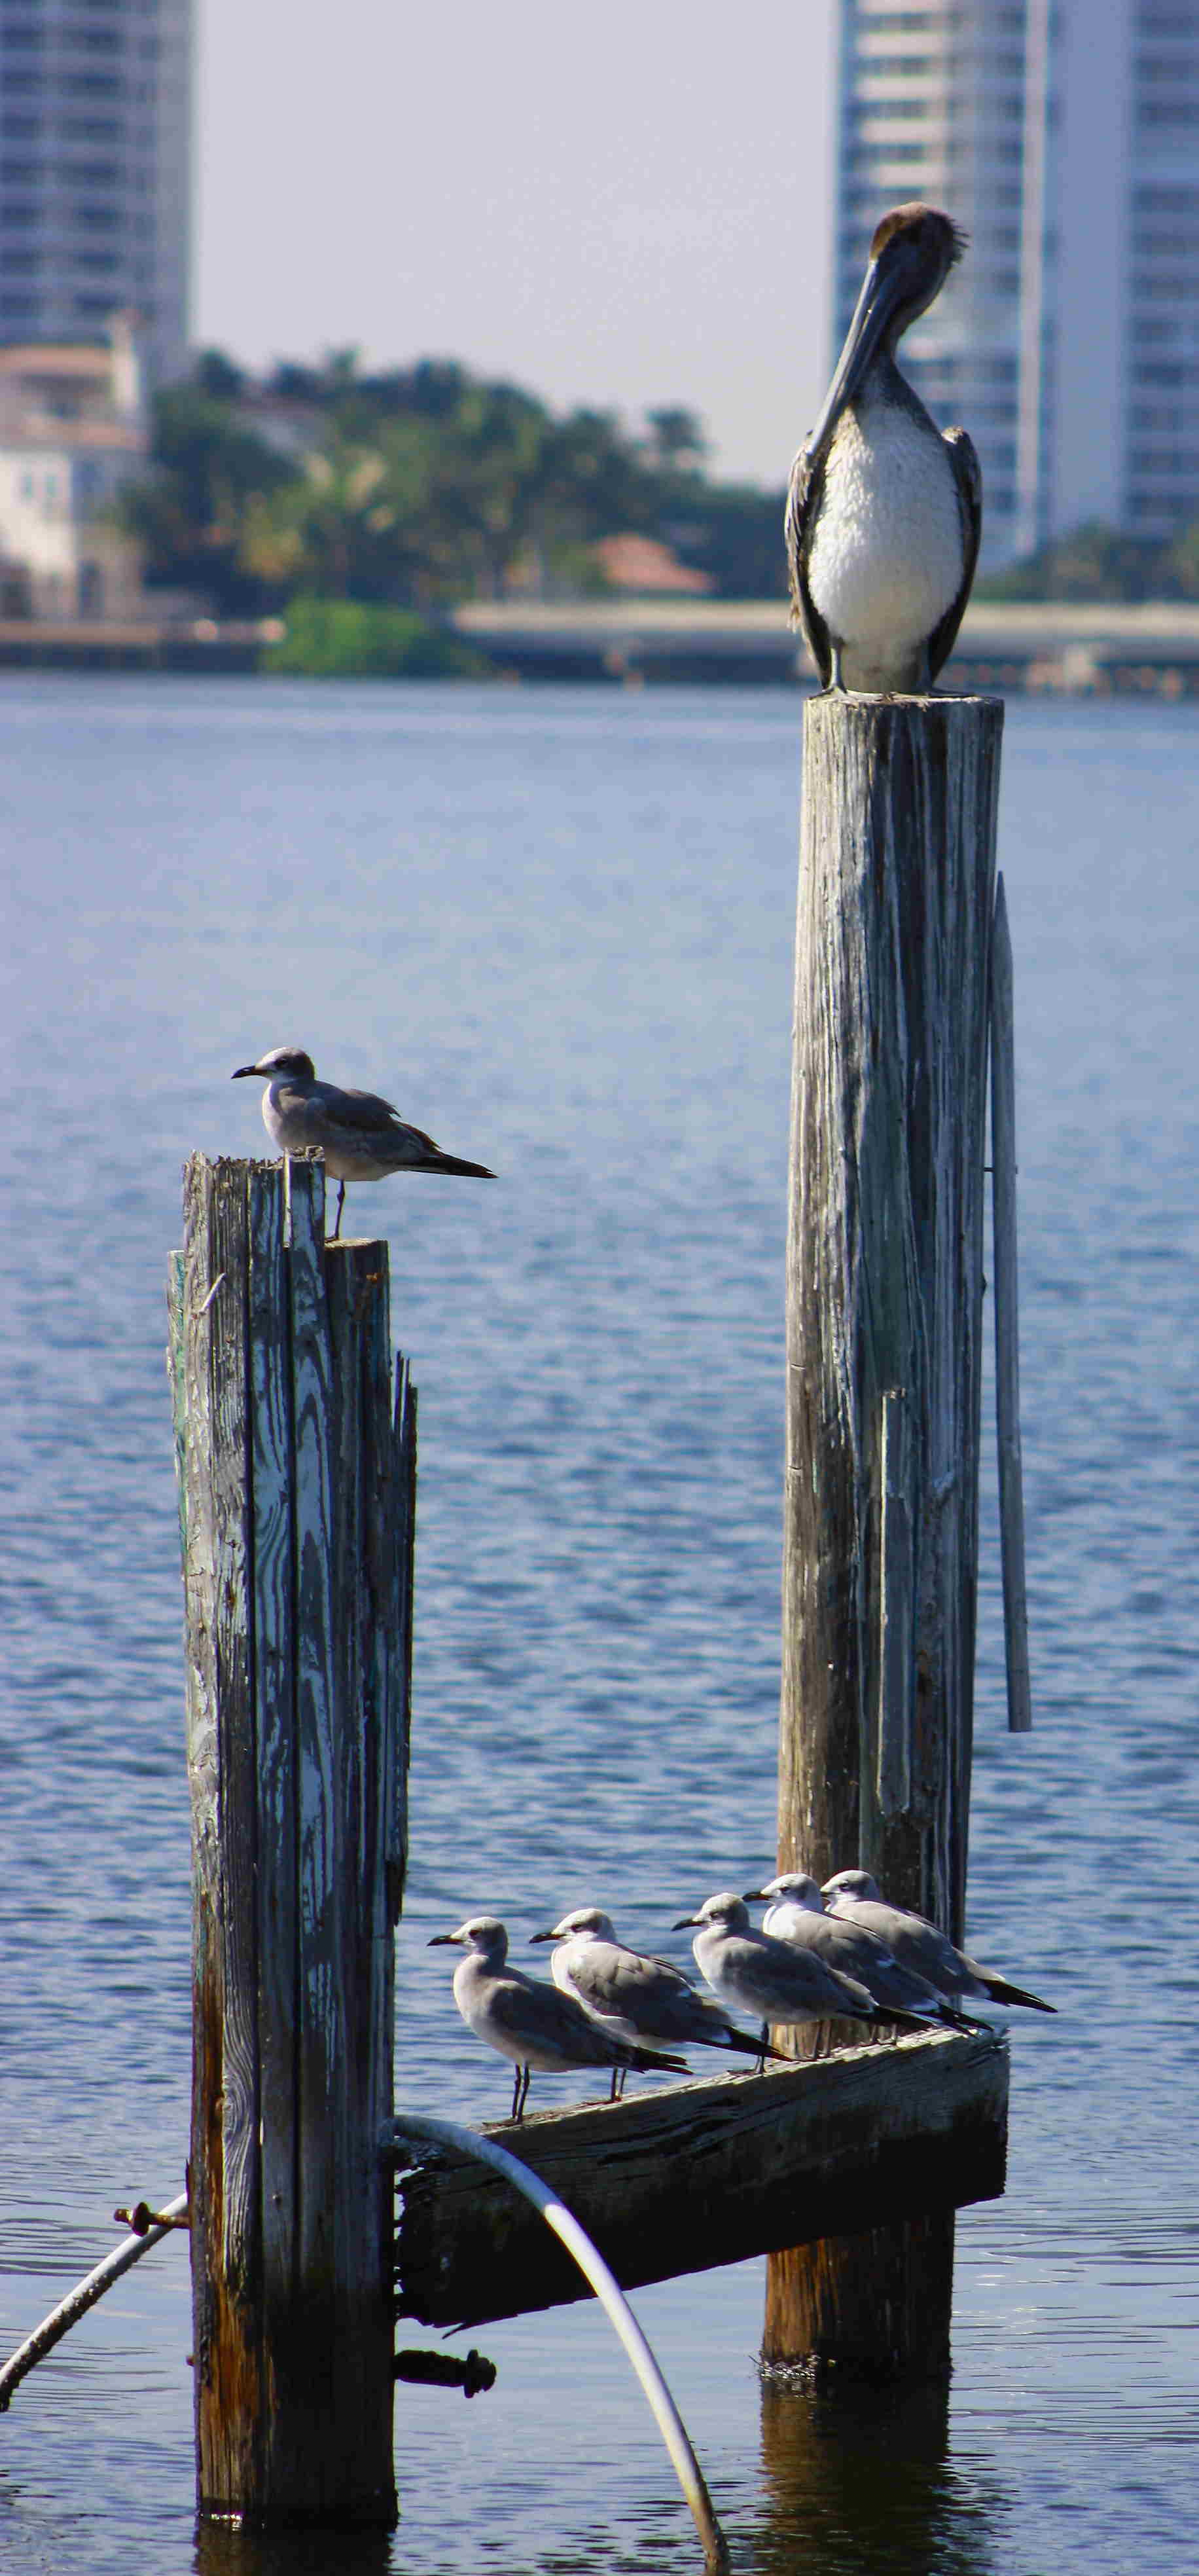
696, 2175
274, 1610
897, 1608
400, 1669
1007, 1322
356, 1274
322, 2003
224, 2174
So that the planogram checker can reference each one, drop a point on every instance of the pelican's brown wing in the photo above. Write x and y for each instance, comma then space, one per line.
803, 499
967, 474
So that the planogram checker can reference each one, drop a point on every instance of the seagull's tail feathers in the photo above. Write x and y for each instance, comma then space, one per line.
747, 2047
653, 2061
439, 1162
1001, 1993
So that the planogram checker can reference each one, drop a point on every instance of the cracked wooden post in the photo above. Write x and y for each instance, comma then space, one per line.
296, 1491
884, 1335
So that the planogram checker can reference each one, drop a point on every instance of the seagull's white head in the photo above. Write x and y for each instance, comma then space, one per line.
587, 1919
482, 1933
725, 1912
853, 1882
793, 1887
280, 1063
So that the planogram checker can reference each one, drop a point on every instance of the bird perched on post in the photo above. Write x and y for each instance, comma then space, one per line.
770, 1979
529, 2022
634, 1997
360, 1135
855, 1895
884, 510
796, 1913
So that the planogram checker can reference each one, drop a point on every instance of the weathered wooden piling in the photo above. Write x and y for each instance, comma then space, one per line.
297, 1491
884, 1331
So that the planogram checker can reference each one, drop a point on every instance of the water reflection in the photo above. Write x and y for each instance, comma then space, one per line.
224, 2550
863, 2478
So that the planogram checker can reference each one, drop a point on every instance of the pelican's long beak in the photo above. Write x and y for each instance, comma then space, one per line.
886, 289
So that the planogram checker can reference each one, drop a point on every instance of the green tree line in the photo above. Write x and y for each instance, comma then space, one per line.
422, 487
1100, 563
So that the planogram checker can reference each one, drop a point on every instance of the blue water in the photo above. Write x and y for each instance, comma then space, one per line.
557, 928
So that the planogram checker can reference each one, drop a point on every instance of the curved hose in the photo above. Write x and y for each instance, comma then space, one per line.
607, 2290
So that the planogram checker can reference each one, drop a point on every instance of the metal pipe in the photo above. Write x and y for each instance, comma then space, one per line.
83, 2297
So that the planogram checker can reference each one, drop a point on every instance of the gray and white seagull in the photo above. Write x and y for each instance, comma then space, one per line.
796, 1914
771, 1980
362, 1137
531, 2023
854, 1895
634, 1996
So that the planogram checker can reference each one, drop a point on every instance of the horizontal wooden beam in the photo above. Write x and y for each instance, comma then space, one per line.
700, 2174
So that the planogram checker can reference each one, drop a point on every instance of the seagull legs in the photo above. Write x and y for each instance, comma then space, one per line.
520, 2092
341, 1200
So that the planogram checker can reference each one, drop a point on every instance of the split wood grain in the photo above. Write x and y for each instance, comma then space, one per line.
884, 1293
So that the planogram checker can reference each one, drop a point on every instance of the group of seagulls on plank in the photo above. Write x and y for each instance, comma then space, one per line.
836, 1953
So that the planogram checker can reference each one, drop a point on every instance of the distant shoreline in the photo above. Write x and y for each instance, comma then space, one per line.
1069, 650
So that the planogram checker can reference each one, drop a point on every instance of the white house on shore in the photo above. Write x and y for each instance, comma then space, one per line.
73, 432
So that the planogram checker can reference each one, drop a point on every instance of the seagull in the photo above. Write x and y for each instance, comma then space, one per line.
361, 1136
795, 1913
531, 2022
771, 1980
855, 1896
884, 510
634, 1997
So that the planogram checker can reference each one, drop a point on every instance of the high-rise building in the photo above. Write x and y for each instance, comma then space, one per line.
95, 172
1063, 136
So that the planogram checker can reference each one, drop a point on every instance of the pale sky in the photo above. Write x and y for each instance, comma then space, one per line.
620, 205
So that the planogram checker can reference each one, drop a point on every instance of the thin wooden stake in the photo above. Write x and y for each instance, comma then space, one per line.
1007, 1321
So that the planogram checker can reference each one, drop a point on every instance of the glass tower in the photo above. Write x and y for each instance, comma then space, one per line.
1064, 137
95, 171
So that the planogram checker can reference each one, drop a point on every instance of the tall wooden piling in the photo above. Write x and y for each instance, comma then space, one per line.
884, 1329
297, 1488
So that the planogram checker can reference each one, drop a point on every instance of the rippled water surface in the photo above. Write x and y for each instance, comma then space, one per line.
557, 927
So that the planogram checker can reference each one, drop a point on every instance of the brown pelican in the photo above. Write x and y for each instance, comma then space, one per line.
884, 510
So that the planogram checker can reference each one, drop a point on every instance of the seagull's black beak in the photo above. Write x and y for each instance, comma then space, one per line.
685, 1922
242, 1071
543, 1936
753, 1896
438, 1937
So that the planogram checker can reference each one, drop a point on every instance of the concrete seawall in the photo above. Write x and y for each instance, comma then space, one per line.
1069, 650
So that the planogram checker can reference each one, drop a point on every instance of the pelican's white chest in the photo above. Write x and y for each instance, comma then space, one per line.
887, 551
